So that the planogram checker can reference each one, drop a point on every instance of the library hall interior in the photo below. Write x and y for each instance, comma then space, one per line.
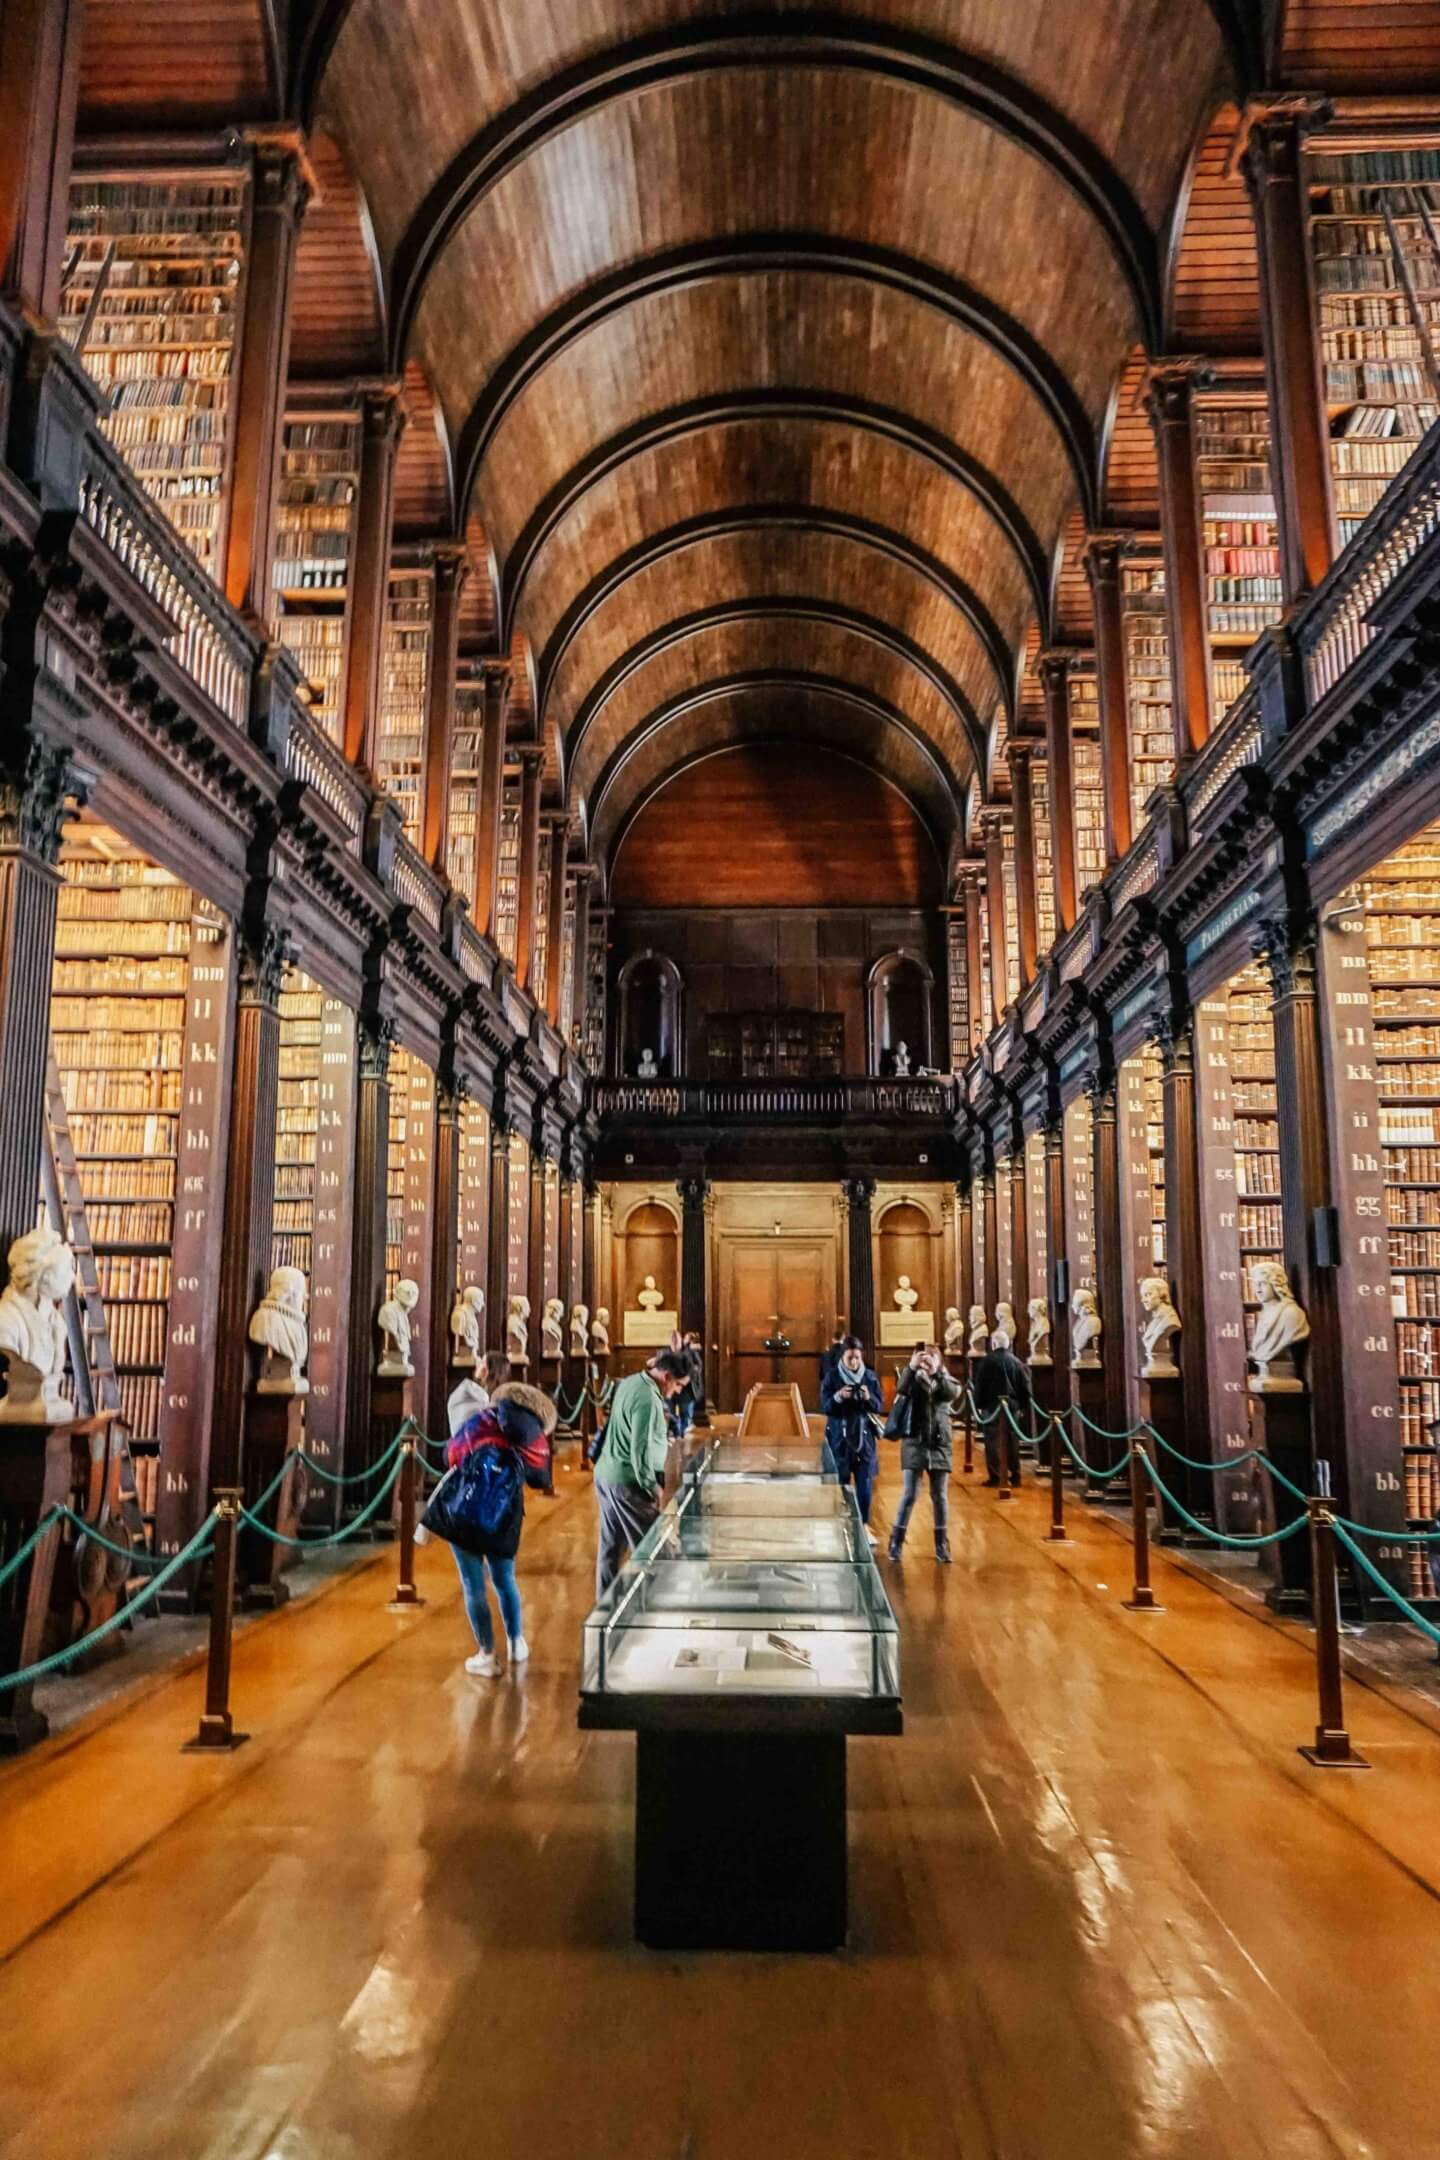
719, 1079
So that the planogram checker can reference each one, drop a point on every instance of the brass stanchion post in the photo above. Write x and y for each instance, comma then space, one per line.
969, 1463
216, 1728
405, 1592
1058, 1534
1332, 1749
1142, 1597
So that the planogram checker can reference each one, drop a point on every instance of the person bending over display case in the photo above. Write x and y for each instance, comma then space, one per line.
630, 1464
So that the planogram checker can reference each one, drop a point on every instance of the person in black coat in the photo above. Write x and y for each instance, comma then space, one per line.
923, 1395
850, 1398
1001, 1379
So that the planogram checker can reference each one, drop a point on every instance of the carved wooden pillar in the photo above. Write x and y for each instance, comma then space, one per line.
1172, 418
497, 1276
965, 1248
693, 1193
578, 1016
1103, 555
39, 84
540, 1165
367, 1269
444, 1246
970, 884
1109, 1250
1299, 420
990, 1287
1021, 755
571, 1197
532, 773
995, 906
451, 571
32, 805
558, 839
1019, 1232
246, 1246
492, 795
1054, 676
382, 422
280, 190
860, 1251
1184, 1251
1055, 1243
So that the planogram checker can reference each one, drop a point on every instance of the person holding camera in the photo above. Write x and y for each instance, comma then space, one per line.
920, 1420
851, 1401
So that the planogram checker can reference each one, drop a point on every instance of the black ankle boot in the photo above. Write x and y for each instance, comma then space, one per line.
942, 1549
897, 1542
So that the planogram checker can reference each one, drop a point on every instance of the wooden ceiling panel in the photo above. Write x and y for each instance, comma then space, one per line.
1132, 479
1074, 610
423, 493
156, 63
634, 180
822, 720
859, 843
336, 327
724, 651
1361, 45
1214, 298
779, 567
865, 485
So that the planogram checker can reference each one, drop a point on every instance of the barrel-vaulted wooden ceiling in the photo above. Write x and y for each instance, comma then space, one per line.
776, 348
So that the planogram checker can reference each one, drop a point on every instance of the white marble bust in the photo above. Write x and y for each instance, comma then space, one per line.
552, 1328
32, 1329
979, 1331
393, 1319
647, 1069
1005, 1320
517, 1329
579, 1331
649, 1298
907, 1297
600, 1332
902, 1061
1037, 1348
278, 1326
1280, 1324
1159, 1329
1086, 1328
465, 1326
954, 1331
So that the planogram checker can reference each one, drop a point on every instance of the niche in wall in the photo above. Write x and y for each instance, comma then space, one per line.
651, 995
907, 1245
901, 1011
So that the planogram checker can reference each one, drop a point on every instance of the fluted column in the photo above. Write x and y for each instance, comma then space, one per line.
1056, 1245
1059, 760
451, 572
558, 840
280, 191
1103, 556
1171, 410
382, 422
859, 1194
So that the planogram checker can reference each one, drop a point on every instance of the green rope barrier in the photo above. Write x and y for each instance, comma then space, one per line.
1390, 1537
1100, 1431
1218, 1537
336, 1537
1101, 1477
42, 1529
118, 1619
137, 1554
1416, 1619
357, 1477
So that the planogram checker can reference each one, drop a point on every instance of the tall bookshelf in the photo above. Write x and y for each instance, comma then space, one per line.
1251, 1033
1040, 825
1402, 939
987, 1003
594, 991
1152, 1089
465, 787
1012, 915
1148, 708
162, 341
540, 944
302, 1008
1087, 781
957, 972
507, 877
1243, 590
1377, 390
404, 685
567, 951
401, 1063
315, 514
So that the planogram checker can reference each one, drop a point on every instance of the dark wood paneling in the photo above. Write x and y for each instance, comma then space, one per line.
335, 318
1215, 292
1359, 45
148, 62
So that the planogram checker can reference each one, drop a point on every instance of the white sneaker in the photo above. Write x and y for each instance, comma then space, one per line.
519, 1649
483, 1666
871, 1535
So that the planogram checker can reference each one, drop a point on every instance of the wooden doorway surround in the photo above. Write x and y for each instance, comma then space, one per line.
777, 1296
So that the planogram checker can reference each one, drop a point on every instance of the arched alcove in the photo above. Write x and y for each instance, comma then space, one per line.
902, 1003
651, 1015
906, 1244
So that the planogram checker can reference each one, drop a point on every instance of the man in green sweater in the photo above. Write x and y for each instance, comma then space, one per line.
630, 1467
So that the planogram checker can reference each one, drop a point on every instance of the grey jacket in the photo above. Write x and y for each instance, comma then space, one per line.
930, 1395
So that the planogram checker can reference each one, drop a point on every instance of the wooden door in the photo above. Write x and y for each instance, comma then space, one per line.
776, 1298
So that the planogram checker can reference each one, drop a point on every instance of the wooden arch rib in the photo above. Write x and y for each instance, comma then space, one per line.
798, 682
759, 255
761, 608
817, 40
700, 414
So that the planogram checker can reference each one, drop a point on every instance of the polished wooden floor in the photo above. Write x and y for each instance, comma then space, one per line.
1100, 1907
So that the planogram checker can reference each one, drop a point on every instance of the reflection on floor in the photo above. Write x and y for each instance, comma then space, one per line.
1100, 1906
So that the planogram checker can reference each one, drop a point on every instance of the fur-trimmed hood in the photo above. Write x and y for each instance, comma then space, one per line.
533, 1399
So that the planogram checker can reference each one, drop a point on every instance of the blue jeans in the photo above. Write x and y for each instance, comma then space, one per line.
477, 1606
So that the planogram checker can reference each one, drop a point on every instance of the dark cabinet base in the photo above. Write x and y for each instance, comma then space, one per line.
740, 1841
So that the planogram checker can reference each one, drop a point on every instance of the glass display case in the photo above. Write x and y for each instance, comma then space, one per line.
762, 1461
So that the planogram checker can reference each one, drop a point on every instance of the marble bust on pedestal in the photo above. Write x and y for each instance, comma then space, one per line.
579, 1331
1280, 1324
465, 1326
1037, 1348
393, 1319
32, 1329
1158, 1330
517, 1329
1086, 1328
647, 1069
552, 1328
907, 1297
954, 1331
979, 1332
278, 1326
600, 1332
1005, 1323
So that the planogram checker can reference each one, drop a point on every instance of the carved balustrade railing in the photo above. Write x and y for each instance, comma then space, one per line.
765, 1101
1235, 743
312, 757
416, 885
1332, 629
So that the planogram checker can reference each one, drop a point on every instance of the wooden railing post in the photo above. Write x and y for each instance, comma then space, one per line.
1142, 1597
405, 1592
217, 1728
1058, 1533
1332, 1749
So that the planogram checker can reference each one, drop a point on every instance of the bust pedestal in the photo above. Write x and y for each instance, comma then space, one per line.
1162, 1402
1280, 1425
36, 1473
89, 1582
1087, 1393
390, 1400
1044, 1385
274, 1428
